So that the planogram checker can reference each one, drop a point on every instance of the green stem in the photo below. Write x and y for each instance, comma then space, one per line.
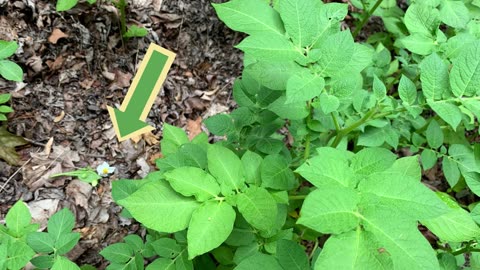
353, 126
313, 250
335, 122
306, 154
365, 18
465, 250
122, 6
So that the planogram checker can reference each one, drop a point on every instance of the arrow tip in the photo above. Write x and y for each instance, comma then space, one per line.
127, 125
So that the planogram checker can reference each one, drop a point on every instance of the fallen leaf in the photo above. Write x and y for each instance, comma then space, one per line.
194, 127
59, 117
150, 138
56, 35
8, 142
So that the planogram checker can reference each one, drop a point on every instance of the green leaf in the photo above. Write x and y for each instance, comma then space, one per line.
17, 255
418, 43
301, 19
250, 16
434, 77
123, 188
400, 239
269, 47
329, 103
291, 111
408, 167
182, 262
192, 181
5, 109
210, 226
259, 261
407, 195
447, 111
353, 250
372, 137
63, 5
4, 98
226, 167
454, 226
473, 181
18, 219
422, 19
43, 262
61, 223
329, 168
465, 157
429, 158
135, 31
162, 263
220, 124
330, 210
454, 13
173, 137
434, 134
258, 207
41, 242
273, 75
371, 160
407, 90
379, 88
334, 53
62, 263
87, 175
157, 199
291, 255
11, 71
451, 171
304, 86
166, 247
465, 74
7, 49
251, 163
117, 253
66, 242
276, 174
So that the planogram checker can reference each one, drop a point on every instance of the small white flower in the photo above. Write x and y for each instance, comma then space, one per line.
104, 169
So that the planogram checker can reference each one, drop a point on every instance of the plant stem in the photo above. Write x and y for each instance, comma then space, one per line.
365, 18
353, 126
335, 122
465, 250
297, 197
306, 154
122, 6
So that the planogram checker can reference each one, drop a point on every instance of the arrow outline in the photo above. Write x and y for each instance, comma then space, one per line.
148, 106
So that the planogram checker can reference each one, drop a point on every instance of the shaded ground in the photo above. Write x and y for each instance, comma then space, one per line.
75, 65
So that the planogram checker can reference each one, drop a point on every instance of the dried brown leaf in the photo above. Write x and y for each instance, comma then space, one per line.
56, 35
8, 142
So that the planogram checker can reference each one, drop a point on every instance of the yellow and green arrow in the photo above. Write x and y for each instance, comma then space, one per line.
129, 120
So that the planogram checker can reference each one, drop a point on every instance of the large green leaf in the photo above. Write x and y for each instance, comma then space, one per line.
352, 251
456, 225
291, 255
258, 207
454, 13
259, 261
269, 47
61, 223
273, 75
400, 238
418, 43
448, 112
276, 174
11, 71
422, 19
371, 160
407, 90
330, 210
18, 218
173, 138
301, 19
156, 200
329, 168
404, 194
434, 77
304, 86
210, 226
250, 16
291, 111
465, 74
226, 167
192, 181
334, 53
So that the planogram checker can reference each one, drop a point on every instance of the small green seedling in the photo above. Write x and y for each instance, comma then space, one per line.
88, 175
8, 69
